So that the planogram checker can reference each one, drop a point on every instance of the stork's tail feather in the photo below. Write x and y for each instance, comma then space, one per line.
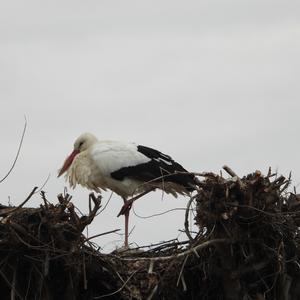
194, 185
185, 179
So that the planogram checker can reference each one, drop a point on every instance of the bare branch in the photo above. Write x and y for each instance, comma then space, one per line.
100, 234
181, 254
11, 210
186, 221
157, 214
18, 152
230, 171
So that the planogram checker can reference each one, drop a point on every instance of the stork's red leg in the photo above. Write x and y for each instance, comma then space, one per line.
126, 228
125, 211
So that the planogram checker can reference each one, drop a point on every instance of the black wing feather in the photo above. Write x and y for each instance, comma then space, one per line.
159, 165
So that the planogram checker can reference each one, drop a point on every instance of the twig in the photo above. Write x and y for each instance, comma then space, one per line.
18, 152
86, 220
287, 183
233, 174
230, 172
44, 183
120, 289
186, 221
8, 211
183, 283
13, 285
29, 282
43, 195
27, 199
157, 214
84, 272
182, 268
105, 205
46, 264
153, 293
9, 284
189, 251
64, 199
74, 217
100, 234
269, 172
151, 265
161, 245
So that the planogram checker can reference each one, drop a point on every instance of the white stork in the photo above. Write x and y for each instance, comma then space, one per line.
125, 168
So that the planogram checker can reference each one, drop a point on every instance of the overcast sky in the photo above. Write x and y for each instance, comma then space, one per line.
208, 82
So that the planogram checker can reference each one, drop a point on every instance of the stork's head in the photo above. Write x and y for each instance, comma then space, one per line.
82, 143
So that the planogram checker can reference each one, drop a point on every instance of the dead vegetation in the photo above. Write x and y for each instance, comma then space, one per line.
246, 247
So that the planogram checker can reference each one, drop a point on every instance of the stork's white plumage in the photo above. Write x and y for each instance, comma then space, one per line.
125, 168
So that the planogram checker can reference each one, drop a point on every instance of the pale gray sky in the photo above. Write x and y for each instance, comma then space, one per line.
208, 82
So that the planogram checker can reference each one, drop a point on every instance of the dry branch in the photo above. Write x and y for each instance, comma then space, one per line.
18, 152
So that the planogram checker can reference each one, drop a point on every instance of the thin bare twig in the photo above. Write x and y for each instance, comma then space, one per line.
186, 220
189, 251
161, 245
182, 268
7, 211
46, 202
157, 214
18, 152
120, 289
153, 293
100, 234
8, 283
13, 285
287, 183
44, 184
27, 199
105, 205
84, 272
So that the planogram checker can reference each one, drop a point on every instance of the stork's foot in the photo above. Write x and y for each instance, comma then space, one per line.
126, 207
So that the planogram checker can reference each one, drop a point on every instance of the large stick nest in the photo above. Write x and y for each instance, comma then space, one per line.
246, 247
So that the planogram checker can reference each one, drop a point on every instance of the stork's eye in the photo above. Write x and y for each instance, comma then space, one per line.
80, 144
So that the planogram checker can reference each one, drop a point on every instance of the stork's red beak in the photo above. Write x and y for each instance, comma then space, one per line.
68, 162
